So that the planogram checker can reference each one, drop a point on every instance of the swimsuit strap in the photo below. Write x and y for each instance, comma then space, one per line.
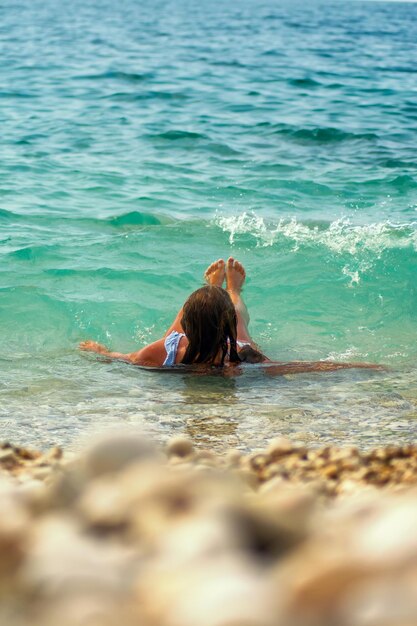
171, 344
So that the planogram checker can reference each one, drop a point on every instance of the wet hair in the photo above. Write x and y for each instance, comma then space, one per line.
210, 324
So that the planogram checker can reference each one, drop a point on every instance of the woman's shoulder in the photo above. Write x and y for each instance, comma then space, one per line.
152, 355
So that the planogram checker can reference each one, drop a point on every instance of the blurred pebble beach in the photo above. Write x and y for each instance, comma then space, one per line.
127, 532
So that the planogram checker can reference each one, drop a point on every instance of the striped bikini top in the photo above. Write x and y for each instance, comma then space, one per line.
172, 341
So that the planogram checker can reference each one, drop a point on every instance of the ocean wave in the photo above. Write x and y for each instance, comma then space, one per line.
228, 63
304, 82
272, 52
402, 183
129, 77
9, 215
222, 149
316, 134
94, 273
128, 96
54, 221
134, 218
18, 95
340, 236
324, 134
178, 135
191, 138
30, 253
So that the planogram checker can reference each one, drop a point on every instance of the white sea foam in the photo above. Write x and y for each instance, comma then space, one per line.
340, 236
352, 274
364, 244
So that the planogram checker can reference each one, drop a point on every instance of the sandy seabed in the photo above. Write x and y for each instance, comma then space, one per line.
129, 533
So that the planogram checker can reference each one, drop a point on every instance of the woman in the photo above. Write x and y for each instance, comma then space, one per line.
212, 329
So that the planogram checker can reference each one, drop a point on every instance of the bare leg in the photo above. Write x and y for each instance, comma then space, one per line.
301, 367
235, 277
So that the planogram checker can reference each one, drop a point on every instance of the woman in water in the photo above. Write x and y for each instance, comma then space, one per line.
212, 329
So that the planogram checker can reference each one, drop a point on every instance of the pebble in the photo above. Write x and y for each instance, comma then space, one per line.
278, 447
180, 447
114, 452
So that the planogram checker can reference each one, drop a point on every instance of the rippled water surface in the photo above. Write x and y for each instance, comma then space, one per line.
142, 140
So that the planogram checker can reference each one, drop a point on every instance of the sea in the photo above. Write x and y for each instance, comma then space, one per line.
143, 139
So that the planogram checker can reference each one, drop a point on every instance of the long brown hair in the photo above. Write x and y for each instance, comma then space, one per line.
210, 324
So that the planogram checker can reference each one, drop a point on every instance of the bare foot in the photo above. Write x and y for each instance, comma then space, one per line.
93, 346
215, 273
235, 275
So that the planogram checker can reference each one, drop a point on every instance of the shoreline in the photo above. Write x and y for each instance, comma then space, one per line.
334, 470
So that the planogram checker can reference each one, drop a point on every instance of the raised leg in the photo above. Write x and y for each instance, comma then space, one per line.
235, 277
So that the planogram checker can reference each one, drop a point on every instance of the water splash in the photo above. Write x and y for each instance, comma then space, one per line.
340, 236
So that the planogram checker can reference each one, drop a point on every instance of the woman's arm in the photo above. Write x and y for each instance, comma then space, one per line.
151, 356
93, 346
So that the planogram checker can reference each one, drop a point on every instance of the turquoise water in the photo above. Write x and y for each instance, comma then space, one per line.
140, 141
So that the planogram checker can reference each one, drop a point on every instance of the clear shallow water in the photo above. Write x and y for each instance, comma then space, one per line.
140, 142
